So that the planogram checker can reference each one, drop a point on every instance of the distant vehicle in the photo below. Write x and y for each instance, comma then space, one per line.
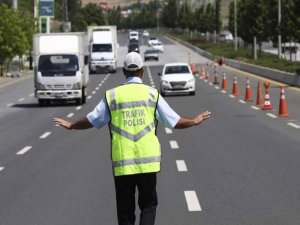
133, 35
133, 47
152, 40
159, 46
225, 36
103, 48
145, 33
177, 78
61, 67
151, 53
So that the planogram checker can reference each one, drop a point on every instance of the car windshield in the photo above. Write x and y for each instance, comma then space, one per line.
102, 48
51, 65
151, 51
152, 38
176, 69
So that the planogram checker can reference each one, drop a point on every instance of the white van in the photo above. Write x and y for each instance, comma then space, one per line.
225, 36
133, 35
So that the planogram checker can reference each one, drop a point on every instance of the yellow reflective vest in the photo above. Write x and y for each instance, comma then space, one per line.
135, 146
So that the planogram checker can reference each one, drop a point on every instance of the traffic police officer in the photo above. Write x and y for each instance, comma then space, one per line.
131, 111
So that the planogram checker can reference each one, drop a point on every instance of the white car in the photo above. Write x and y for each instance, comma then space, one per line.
177, 78
158, 46
145, 33
152, 40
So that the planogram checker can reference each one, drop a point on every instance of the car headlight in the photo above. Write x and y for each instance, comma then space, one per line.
191, 80
77, 86
165, 82
40, 86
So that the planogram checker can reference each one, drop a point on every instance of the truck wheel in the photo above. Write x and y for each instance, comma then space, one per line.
83, 98
42, 102
78, 101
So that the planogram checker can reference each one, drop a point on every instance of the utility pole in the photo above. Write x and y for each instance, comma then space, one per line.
279, 29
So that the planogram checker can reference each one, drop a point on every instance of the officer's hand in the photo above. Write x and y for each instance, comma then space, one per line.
201, 117
64, 123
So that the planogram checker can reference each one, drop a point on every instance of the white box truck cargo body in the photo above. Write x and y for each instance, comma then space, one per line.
103, 48
61, 67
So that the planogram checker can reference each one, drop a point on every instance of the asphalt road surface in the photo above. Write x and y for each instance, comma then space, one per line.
240, 167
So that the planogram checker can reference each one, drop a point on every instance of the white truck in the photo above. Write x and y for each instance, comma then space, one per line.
61, 67
103, 48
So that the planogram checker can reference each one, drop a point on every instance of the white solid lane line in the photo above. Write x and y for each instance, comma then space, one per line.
24, 150
45, 135
1, 168
181, 166
174, 145
192, 201
168, 130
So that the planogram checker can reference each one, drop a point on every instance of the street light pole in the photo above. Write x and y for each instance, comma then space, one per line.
15, 4
235, 27
279, 31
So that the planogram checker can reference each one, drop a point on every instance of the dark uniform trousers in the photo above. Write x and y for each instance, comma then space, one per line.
147, 198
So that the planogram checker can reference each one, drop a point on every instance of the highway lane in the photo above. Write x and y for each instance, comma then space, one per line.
241, 164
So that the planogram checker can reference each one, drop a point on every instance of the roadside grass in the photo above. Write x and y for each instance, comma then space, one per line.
243, 54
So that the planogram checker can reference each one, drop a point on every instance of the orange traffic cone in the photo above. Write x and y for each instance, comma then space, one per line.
222, 61
193, 68
206, 75
216, 76
235, 90
224, 82
259, 99
283, 111
203, 71
248, 94
267, 104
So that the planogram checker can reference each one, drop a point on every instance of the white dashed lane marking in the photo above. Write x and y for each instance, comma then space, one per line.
1, 168
192, 201
168, 130
89, 97
24, 150
45, 135
174, 145
78, 107
181, 166
21, 99
293, 125
70, 115
271, 115
10, 104
255, 107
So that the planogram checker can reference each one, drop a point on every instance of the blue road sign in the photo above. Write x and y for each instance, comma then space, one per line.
46, 8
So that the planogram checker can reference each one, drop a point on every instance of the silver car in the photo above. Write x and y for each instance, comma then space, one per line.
151, 54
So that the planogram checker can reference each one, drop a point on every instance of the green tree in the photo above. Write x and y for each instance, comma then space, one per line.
200, 19
169, 14
14, 38
251, 20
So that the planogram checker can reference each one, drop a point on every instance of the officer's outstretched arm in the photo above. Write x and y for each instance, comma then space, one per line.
80, 124
186, 122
